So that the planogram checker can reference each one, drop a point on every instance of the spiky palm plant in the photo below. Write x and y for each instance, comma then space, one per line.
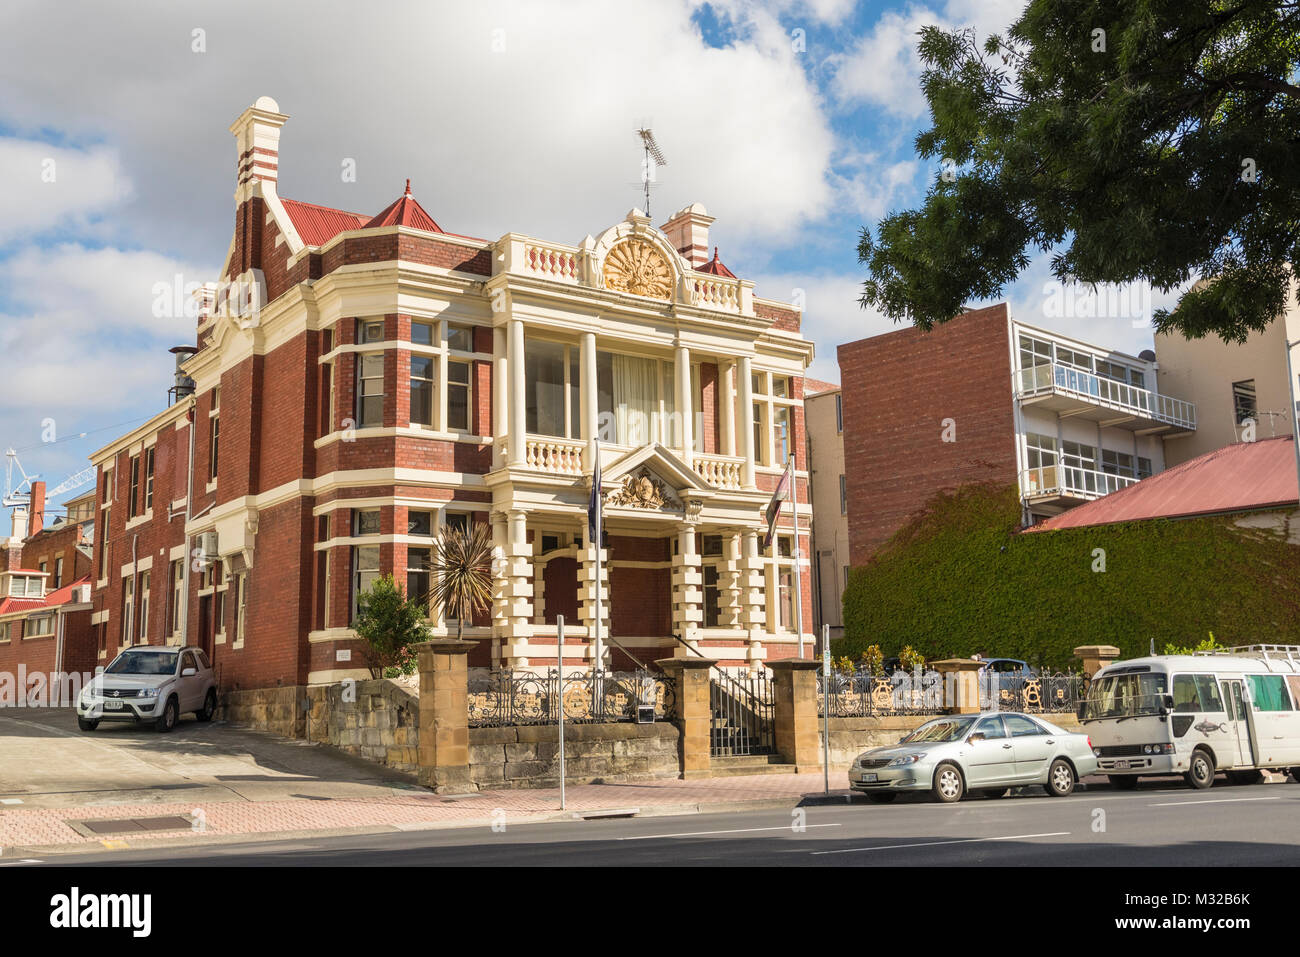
462, 567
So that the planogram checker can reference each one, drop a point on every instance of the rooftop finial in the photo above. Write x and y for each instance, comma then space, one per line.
715, 253
408, 186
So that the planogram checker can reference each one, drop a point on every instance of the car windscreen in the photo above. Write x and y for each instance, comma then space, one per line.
1126, 696
942, 729
143, 663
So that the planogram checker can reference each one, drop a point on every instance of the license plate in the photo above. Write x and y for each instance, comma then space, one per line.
1121, 764
111, 705
866, 778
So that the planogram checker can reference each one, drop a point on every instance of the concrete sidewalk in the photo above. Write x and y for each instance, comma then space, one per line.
28, 831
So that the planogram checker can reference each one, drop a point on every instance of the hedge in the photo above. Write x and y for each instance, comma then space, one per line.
961, 578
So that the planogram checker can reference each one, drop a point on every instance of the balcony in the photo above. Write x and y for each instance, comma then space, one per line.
1065, 486
1072, 393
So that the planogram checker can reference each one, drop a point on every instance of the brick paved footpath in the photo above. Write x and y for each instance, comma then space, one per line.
407, 809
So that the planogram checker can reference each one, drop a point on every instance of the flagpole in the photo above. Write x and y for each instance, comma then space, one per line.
596, 478
798, 571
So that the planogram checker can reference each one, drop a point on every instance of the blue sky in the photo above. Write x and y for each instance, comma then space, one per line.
792, 121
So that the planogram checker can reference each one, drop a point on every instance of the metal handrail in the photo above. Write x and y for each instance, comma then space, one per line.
1054, 376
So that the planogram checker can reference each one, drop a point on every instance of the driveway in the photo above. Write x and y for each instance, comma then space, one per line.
45, 762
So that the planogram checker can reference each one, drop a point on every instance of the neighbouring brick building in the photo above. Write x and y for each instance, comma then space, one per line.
983, 397
361, 383
45, 590
828, 484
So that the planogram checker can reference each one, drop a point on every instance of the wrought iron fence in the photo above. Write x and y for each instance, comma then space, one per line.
500, 699
1043, 693
860, 694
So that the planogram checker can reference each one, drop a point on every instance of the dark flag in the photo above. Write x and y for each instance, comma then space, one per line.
774, 506
593, 507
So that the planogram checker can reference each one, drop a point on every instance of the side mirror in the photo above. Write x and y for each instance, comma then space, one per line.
975, 738
1078, 712
1169, 702
187, 672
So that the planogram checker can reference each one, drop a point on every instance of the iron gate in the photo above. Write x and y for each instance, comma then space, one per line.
743, 714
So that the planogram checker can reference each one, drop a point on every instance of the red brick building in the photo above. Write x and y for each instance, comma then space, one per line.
361, 383
45, 604
981, 398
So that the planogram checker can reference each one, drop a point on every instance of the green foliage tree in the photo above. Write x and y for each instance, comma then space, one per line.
961, 577
462, 568
1205, 644
1151, 140
390, 623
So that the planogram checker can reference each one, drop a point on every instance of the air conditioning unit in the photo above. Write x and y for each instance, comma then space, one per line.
208, 545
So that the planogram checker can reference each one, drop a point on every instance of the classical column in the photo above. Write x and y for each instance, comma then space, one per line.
500, 584
730, 607
688, 586
518, 591
441, 392
517, 425
686, 415
727, 408
588, 588
588, 397
745, 425
500, 415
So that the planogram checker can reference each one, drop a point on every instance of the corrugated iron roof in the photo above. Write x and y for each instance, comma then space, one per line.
405, 211
317, 225
1235, 478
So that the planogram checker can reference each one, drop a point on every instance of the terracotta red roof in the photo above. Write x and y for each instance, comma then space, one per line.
11, 605
317, 225
1235, 478
405, 211
715, 267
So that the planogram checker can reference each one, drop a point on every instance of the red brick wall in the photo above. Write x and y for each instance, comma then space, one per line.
707, 440
781, 318
898, 388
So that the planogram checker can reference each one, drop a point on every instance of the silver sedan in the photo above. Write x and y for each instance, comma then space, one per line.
987, 752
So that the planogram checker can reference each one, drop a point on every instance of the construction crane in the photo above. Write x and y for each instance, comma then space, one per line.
17, 496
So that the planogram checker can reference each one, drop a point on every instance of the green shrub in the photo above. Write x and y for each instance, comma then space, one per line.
961, 578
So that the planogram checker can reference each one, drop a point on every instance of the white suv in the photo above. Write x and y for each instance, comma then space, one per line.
150, 683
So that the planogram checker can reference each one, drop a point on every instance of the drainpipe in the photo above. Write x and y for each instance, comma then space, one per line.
135, 583
185, 535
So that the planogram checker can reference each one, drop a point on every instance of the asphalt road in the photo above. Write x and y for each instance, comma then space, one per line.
1160, 825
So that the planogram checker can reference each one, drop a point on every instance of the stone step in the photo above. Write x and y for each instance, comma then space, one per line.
738, 770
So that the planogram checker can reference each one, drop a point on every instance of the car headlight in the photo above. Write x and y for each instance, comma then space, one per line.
147, 693
903, 759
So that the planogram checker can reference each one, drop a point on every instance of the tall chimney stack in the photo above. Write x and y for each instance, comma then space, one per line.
36, 509
257, 136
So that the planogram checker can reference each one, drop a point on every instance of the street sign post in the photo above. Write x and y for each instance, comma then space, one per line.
559, 641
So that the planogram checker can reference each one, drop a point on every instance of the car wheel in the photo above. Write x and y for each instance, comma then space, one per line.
1060, 779
1200, 774
87, 724
881, 797
167, 720
209, 707
1123, 782
948, 784
1244, 777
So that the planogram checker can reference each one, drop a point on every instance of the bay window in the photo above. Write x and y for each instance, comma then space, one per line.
636, 400
370, 390
365, 571
552, 382
422, 380
458, 395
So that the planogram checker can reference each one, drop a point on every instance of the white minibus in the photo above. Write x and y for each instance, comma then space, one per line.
1237, 711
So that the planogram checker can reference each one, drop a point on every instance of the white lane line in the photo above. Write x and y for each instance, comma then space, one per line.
15, 863
738, 830
1216, 801
965, 840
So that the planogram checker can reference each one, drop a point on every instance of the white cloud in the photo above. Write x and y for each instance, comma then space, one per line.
507, 116
49, 187
883, 68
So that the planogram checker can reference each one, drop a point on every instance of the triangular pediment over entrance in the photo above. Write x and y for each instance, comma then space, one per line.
651, 478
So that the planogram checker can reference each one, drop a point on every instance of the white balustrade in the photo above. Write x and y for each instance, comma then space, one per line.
556, 456
720, 471
559, 263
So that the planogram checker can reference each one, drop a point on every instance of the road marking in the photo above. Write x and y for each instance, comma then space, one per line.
1216, 801
115, 845
26, 860
965, 840
11, 800
738, 830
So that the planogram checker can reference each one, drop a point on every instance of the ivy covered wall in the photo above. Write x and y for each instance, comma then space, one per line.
961, 579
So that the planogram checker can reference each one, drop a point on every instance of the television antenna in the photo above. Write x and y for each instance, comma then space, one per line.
652, 153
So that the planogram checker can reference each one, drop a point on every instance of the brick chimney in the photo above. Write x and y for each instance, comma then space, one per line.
36, 509
688, 231
257, 139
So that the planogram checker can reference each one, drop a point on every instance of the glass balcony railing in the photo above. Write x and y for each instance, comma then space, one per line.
1121, 396
1070, 481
